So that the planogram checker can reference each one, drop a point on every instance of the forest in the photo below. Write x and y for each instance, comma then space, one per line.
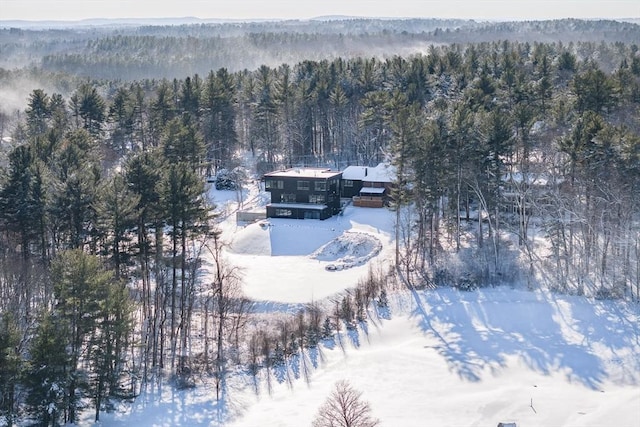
506, 138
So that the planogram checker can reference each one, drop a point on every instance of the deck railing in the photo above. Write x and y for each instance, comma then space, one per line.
368, 202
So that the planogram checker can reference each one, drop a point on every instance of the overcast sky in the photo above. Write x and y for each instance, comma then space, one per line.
302, 9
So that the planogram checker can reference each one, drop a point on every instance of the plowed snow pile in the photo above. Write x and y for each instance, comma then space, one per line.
349, 250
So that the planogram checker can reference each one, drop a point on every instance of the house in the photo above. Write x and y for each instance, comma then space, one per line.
368, 186
531, 190
303, 193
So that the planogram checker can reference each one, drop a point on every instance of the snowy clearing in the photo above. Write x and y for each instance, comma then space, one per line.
441, 358
284, 260
478, 358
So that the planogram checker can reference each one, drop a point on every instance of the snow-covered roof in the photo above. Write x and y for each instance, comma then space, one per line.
541, 179
311, 206
304, 173
371, 190
381, 173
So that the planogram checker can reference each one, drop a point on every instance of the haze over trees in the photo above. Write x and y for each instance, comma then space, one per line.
500, 148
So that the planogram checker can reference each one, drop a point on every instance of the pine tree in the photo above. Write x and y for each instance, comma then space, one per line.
190, 96
17, 213
593, 91
182, 143
376, 106
121, 114
91, 109
47, 375
404, 123
38, 113
76, 177
143, 175
220, 118
163, 110
81, 287
10, 367
264, 134
186, 214
107, 347
116, 214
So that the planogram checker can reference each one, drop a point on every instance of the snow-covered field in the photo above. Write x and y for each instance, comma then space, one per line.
435, 358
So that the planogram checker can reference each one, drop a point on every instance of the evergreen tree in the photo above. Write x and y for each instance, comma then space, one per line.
264, 130
121, 115
76, 178
143, 175
404, 123
18, 209
593, 91
81, 288
89, 109
374, 123
190, 96
162, 112
47, 375
10, 368
38, 113
186, 215
220, 118
107, 347
430, 168
116, 215
183, 143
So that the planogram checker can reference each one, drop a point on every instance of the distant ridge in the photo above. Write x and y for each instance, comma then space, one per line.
119, 22
191, 20
338, 18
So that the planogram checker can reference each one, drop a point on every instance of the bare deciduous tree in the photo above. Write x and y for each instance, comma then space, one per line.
344, 408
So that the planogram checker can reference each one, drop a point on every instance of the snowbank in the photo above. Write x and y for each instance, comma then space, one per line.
348, 250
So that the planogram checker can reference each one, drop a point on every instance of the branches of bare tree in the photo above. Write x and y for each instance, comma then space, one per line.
345, 408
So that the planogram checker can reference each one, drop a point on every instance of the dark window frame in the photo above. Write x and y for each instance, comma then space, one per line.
318, 199
273, 184
287, 198
283, 212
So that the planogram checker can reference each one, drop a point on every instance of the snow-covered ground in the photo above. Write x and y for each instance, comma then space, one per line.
448, 358
284, 260
441, 358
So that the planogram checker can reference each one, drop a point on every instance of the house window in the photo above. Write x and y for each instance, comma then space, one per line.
316, 198
283, 212
311, 215
287, 198
348, 183
274, 183
320, 186
303, 185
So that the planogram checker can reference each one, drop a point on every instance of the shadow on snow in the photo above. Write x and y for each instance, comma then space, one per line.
476, 331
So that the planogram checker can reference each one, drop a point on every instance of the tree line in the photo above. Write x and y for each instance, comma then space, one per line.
165, 51
105, 225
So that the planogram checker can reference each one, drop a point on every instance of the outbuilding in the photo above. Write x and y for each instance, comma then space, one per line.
368, 186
